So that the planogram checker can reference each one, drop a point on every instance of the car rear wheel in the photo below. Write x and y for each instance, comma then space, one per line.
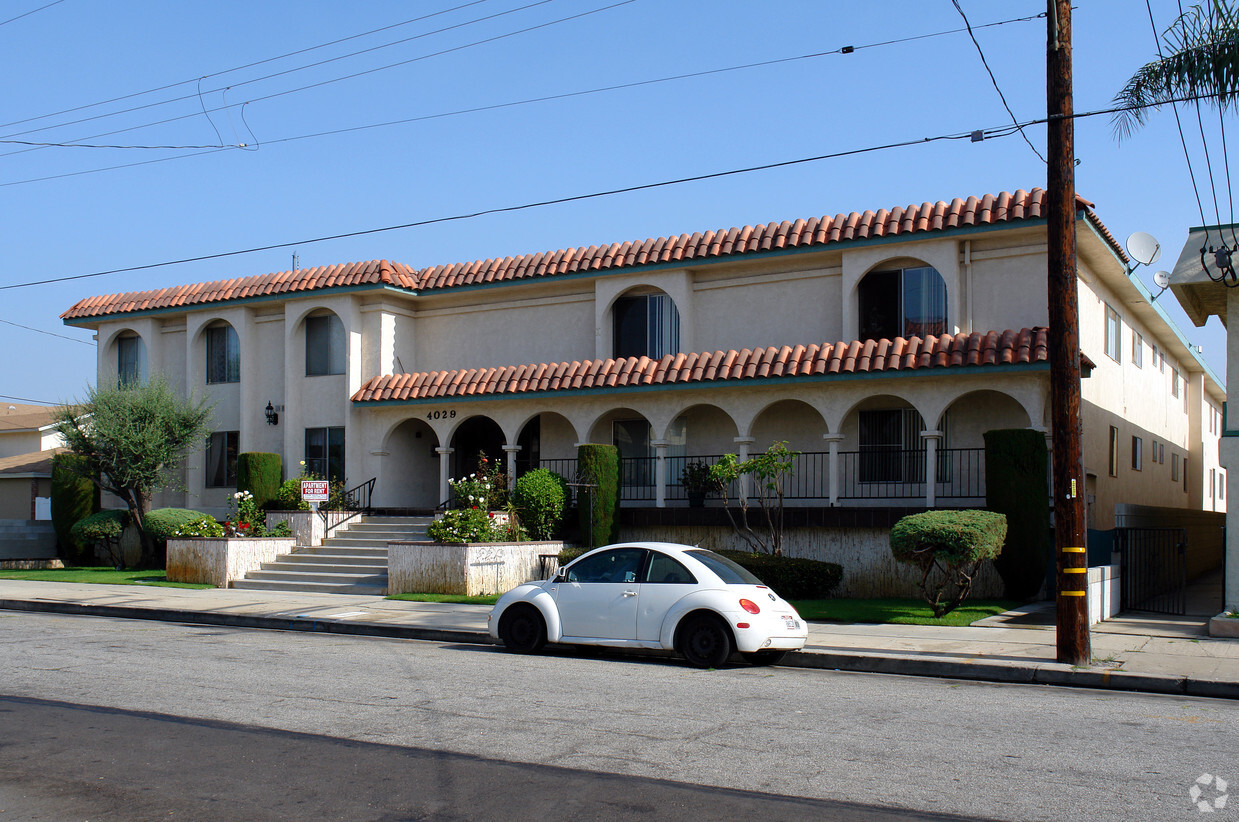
765, 657
522, 629
705, 642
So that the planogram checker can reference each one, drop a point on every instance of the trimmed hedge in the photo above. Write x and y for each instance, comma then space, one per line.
162, 523
103, 525
539, 496
791, 578
1017, 485
951, 537
599, 465
260, 473
74, 497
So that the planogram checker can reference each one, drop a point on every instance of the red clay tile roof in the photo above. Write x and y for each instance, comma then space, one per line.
1028, 345
374, 272
989, 209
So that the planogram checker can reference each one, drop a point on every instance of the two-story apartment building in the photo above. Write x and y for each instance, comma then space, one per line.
880, 345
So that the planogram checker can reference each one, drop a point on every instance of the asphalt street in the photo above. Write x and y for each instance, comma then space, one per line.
185, 720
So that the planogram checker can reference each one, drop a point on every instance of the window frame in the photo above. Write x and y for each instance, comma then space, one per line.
326, 346
135, 374
227, 370
1137, 453
1137, 348
323, 466
230, 441
894, 295
652, 315
1113, 334
1114, 451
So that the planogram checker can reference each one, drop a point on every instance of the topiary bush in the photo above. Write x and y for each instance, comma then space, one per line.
599, 466
540, 499
1017, 484
74, 497
260, 473
163, 523
949, 548
791, 577
104, 529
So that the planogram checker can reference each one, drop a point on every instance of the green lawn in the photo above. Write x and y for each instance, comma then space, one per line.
901, 611
105, 575
455, 599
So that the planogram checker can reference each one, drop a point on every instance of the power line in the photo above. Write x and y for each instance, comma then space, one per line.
237, 68
32, 11
313, 65
48, 333
27, 399
994, 80
513, 103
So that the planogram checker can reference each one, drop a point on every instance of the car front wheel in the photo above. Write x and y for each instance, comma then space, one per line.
705, 642
522, 630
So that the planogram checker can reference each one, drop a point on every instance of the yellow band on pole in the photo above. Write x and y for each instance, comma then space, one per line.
1073, 550
1075, 570
1072, 593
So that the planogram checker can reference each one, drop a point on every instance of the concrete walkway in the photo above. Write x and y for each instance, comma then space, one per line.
1170, 655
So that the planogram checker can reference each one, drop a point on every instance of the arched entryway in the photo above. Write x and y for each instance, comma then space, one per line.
473, 438
409, 472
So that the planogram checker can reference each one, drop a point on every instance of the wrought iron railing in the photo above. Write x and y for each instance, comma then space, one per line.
356, 500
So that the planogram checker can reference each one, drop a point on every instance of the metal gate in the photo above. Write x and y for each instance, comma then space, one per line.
1154, 569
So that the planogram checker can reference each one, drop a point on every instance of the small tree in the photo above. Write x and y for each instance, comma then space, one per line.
768, 471
949, 547
131, 439
598, 470
540, 499
73, 498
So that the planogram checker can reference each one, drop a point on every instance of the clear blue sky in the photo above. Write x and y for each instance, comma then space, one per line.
78, 52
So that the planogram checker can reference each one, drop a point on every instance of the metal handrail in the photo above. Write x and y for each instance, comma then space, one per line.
357, 500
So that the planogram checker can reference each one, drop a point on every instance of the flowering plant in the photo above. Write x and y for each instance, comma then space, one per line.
486, 488
204, 526
244, 518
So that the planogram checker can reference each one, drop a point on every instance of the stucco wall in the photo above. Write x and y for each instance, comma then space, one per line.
474, 569
220, 561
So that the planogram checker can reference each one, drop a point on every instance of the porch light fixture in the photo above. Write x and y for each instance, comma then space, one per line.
272, 417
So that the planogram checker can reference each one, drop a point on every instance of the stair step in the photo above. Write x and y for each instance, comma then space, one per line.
333, 560
345, 550
312, 577
312, 587
295, 566
360, 542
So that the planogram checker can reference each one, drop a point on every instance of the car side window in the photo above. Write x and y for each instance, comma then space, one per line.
668, 571
620, 565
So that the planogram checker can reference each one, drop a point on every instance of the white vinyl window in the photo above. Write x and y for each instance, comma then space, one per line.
1114, 326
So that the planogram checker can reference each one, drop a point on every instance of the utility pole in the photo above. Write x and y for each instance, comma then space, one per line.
1068, 465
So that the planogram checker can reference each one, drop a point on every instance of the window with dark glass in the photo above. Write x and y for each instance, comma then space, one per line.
632, 438
223, 353
324, 452
665, 570
620, 565
221, 459
645, 325
130, 360
906, 302
892, 448
324, 345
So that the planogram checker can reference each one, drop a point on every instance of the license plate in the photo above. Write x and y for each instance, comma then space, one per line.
791, 622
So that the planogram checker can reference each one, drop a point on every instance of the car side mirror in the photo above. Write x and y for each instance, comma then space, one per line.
561, 575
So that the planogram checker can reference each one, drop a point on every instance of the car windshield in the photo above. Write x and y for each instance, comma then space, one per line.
728, 571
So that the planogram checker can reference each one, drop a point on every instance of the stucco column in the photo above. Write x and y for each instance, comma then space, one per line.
832, 466
510, 451
1228, 456
931, 466
742, 446
660, 472
445, 470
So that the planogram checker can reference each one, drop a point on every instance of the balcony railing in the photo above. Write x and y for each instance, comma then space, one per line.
872, 474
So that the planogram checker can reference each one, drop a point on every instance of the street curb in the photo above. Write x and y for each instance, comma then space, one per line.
327, 626
1045, 673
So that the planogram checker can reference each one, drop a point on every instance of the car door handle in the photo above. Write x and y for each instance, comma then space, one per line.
630, 593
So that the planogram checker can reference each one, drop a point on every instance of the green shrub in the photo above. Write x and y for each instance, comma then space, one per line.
599, 466
260, 474
949, 548
104, 528
164, 523
540, 499
1017, 485
288, 496
464, 525
74, 497
791, 577
204, 526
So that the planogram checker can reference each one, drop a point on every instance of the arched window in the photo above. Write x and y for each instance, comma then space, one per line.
131, 360
902, 302
223, 354
324, 345
645, 325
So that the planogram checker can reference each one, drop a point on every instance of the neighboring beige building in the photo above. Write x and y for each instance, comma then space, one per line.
880, 345
27, 444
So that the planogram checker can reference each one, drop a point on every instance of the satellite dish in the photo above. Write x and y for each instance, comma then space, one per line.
1162, 279
1144, 248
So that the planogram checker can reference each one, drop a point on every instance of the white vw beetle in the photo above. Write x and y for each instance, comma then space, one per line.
652, 595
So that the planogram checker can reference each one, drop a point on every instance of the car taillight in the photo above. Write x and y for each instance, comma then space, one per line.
750, 606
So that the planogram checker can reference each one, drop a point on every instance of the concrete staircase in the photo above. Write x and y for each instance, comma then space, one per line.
354, 561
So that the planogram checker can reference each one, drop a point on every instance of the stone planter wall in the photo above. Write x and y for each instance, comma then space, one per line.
211, 561
471, 569
307, 526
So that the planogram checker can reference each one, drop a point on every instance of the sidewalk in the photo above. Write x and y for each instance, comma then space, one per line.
1170, 655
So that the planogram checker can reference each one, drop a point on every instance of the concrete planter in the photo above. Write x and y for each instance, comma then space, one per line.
219, 561
470, 569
